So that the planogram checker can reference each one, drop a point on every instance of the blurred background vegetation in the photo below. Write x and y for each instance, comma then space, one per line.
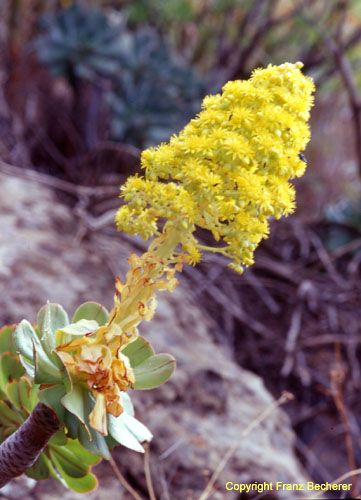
91, 83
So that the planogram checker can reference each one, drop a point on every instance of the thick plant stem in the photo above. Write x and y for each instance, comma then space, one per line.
22, 448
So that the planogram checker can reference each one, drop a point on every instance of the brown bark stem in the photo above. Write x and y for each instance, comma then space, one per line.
21, 449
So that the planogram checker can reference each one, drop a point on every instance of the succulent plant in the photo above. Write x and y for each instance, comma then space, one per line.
34, 366
80, 43
154, 94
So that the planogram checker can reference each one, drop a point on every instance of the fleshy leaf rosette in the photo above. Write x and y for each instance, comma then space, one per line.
83, 368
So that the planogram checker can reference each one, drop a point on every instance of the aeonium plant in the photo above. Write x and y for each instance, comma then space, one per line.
90, 410
228, 171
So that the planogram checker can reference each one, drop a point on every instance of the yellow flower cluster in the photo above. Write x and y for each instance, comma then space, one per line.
228, 170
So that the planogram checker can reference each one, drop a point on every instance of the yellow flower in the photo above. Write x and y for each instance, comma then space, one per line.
228, 170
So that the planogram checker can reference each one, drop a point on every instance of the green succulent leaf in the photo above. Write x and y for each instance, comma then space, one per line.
28, 367
39, 470
81, 453
76, 403
72, 424
51, 396
91, 311
63, 372
96, 445
83, 484
128, 431
138, 351
81, 327
10, 369
80, 403
95, 442
59, 439
54, 473
18, 392
8, 417
154, 371
51, 318
69, 462
25, 338
80, 485
6, 340
45, 370
111, 442
127, 404
33, 396
30, 347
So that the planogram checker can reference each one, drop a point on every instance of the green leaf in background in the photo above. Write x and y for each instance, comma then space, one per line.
154, 94
138, 351
51, 318
154, 371
54, 473
91, 311
80, 42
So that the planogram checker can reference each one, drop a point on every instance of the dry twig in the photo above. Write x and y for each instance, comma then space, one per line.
148, 475
123, 481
